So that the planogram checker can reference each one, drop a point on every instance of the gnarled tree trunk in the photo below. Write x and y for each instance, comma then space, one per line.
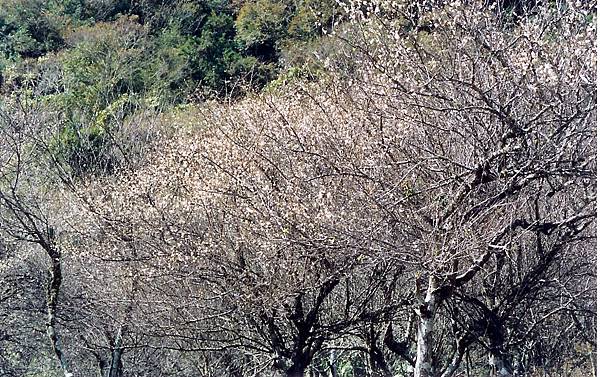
52, 292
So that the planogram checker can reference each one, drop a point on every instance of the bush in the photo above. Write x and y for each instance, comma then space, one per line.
105, 62
261, 25
83, 149
27, 29
312, 17
166, 69
212, 48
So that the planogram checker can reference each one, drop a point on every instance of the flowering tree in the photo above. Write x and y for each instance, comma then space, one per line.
489, 109
426, 208
459, 156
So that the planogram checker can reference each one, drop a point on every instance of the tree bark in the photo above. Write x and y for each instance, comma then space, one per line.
332, 364
116, 359
52, 292
377, 364
426, 315
116, 364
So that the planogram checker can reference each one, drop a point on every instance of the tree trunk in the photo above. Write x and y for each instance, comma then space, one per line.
116, 358
499, 365
377, 364
116, 364
52, 291
426, 313
332, 364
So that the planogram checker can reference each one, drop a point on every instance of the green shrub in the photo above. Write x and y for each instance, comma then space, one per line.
311, 18
27, 29
166, 67
105, 62
84, 150
219, 62
211, 47
261, 24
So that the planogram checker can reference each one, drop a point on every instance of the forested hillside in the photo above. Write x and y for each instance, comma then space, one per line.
297, 188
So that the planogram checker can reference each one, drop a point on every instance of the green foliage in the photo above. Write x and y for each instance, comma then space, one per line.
312, 17
104, 75
90, 11
27, 29
250, 70
281, 33
106, 61
292, 74
261, 24
264, 25
214, 50
165, 68
163, 50
83, 149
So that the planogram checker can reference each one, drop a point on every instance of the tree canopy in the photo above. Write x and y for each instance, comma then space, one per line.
297, 188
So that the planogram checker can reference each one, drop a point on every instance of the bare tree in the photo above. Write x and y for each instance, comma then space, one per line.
25, 210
